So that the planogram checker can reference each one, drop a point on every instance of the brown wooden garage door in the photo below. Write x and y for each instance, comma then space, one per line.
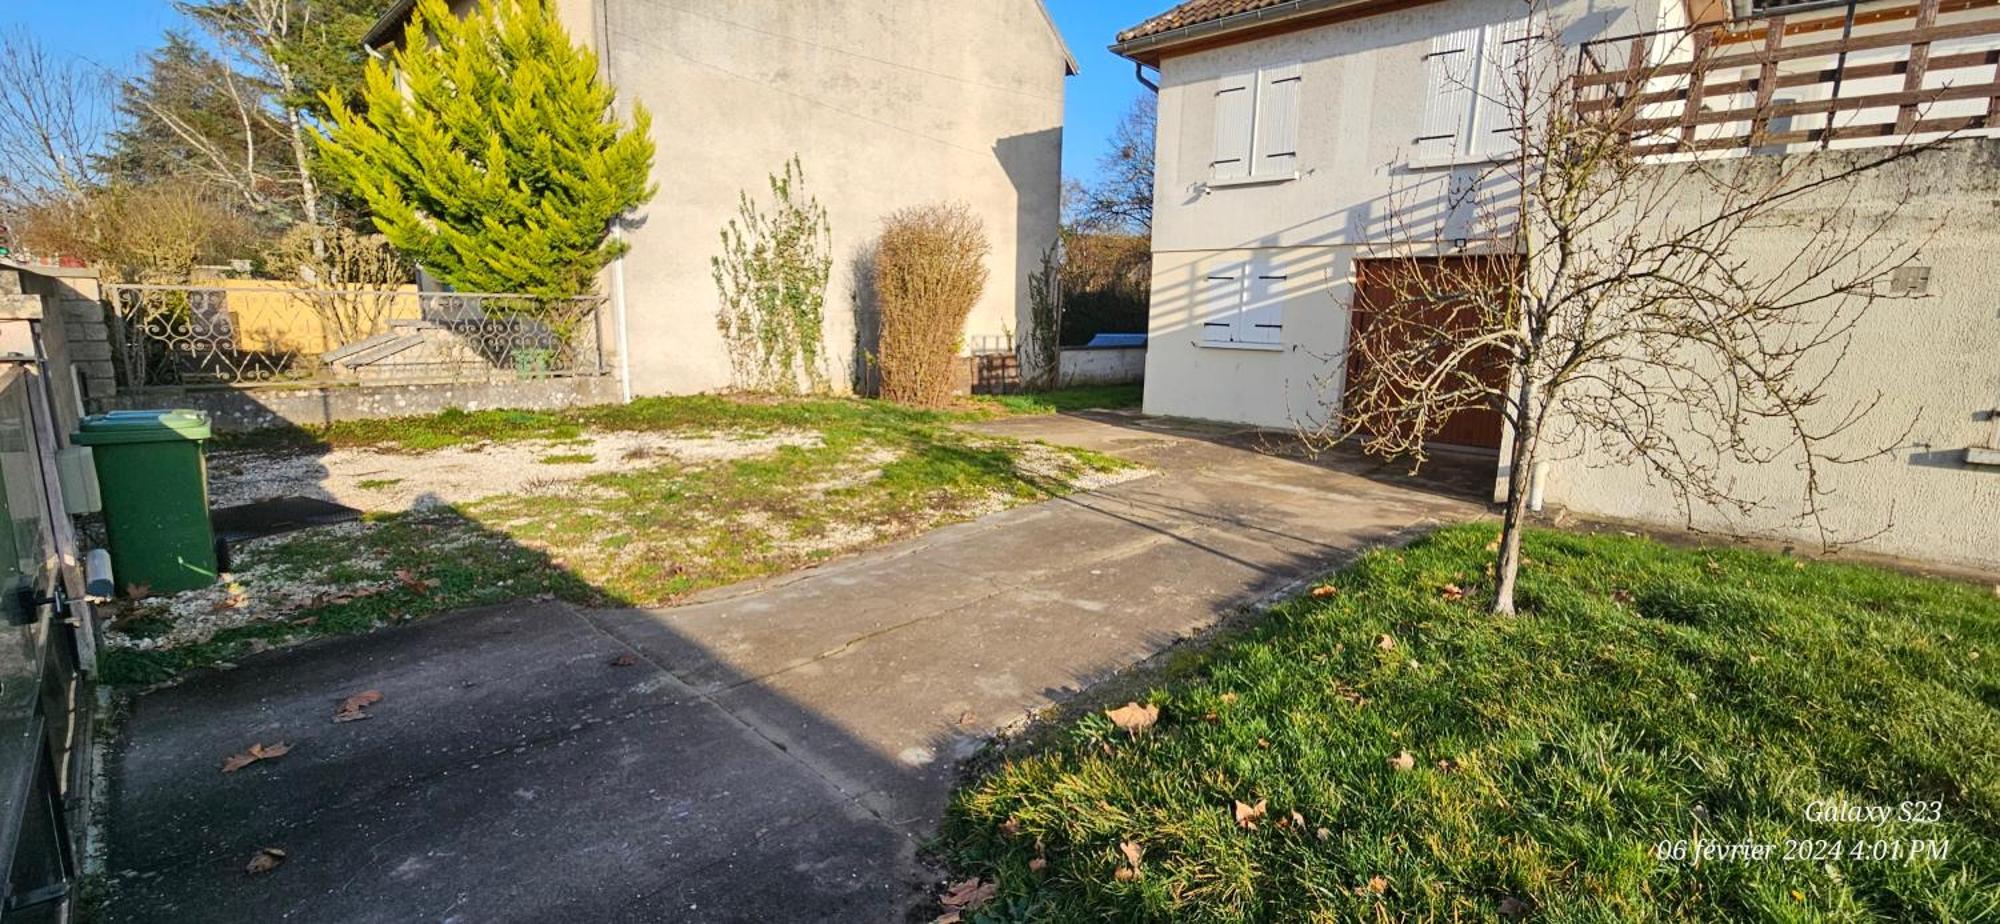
1376, 289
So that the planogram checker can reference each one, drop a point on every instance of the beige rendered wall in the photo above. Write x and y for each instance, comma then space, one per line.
1934, 362
888, 103
1362, 105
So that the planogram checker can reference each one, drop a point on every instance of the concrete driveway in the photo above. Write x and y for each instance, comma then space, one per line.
776, 751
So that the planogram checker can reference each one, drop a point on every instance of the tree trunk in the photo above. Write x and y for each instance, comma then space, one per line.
308, 189
1520, 476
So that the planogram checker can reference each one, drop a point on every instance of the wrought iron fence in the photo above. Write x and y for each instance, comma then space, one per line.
238, 334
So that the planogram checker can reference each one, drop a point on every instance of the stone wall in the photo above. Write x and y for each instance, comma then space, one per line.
1114, 366
75, 339
240, 409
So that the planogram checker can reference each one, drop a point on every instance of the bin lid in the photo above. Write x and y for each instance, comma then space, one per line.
142, 427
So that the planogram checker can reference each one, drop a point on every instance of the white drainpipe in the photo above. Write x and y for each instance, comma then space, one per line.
618, 317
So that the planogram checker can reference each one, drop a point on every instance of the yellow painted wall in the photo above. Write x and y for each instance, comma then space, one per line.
272, 316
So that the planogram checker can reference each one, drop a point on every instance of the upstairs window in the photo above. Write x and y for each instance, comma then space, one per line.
1257, 126
1472, 94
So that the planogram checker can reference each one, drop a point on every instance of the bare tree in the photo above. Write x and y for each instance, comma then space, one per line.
52, 122
1120, 199
1590, 287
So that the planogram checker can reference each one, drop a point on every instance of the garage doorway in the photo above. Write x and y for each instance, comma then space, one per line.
1418, 293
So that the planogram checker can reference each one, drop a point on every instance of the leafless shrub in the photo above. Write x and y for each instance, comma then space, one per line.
347, 279
930, 269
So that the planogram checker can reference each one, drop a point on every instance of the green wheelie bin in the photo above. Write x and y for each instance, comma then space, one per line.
152, 474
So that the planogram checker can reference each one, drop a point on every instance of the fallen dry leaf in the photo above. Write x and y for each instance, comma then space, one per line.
1125, 874
1325, 590
1133, 718
1378, 884
142, 590
624, 660
1447, 765
265, 861
1229, 697
1452, 592
1513, 907
1247, 816
410, 580
969, 894
353, 708
949, 917
1402, 761
253, 754
1323, 834
1011, 827
1385, 642
1038, 864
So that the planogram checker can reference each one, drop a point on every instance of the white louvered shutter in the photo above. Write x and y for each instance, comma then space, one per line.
1263, 311
1221, 304
1235, 107
1278, 121
1499, 102
1449, 74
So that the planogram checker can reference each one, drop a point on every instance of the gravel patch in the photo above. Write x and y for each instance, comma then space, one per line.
372, 479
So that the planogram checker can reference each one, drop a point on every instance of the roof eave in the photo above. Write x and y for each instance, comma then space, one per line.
384, 30
1149, 49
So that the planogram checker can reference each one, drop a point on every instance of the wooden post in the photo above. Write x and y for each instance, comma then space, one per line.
1635, 66
1697, 74
1920, 62
1767, 79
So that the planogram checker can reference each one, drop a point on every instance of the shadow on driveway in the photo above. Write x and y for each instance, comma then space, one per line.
771, 751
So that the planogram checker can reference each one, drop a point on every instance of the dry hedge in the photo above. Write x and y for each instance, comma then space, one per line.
930, 269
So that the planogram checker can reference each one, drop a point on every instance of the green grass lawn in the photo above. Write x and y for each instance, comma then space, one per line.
850, 474
1645, 695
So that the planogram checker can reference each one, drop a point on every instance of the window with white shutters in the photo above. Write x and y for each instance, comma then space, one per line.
1257, 125
1243, 305
1473, 93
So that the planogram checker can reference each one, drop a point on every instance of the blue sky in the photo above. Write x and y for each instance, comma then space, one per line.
114, 33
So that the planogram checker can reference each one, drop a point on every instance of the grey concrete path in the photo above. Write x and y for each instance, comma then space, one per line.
773, 752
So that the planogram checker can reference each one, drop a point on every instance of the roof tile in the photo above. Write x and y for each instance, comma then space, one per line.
1194, 12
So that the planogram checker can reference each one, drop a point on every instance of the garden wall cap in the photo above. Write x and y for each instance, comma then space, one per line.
142, 427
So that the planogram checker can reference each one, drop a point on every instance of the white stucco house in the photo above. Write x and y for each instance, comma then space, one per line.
1299, 138
887, 104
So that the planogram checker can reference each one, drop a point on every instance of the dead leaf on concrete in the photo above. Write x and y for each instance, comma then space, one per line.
265, 861
969, 894
1247, 816
625, 660
253, 754
1402, 761
1133, 718
353, 708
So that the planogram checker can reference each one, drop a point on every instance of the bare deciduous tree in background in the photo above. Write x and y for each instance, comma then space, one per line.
52, 123
346, 279
1618, 310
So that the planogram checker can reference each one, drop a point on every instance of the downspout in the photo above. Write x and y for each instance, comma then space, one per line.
603, 30
1139, 71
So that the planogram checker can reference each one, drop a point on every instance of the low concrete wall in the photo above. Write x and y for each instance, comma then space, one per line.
239, 409
1114, 366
